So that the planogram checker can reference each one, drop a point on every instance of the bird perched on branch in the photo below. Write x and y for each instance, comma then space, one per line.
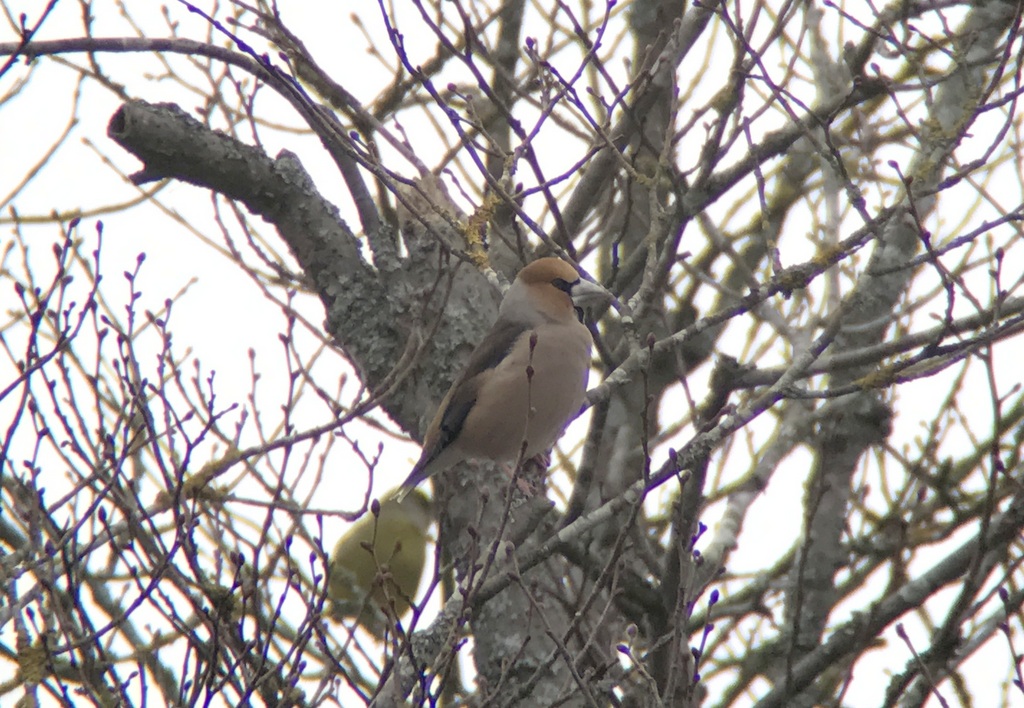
524, 382
375, 567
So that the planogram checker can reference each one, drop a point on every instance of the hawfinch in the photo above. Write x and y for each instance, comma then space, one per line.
493, 407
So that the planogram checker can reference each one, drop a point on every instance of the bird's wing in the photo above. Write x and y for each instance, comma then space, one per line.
461, 397
459, 402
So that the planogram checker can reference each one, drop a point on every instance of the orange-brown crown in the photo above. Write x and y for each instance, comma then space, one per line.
546, 270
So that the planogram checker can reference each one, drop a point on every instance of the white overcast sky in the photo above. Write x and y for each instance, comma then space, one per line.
224, 314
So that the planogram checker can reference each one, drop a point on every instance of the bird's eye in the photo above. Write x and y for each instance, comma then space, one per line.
563, 285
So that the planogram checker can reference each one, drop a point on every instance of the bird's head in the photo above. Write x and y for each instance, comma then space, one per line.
549, 289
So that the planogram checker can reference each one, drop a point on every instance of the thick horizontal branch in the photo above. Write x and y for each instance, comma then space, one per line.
261, 67
360, 313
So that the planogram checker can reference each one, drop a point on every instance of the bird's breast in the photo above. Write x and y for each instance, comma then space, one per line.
514, 406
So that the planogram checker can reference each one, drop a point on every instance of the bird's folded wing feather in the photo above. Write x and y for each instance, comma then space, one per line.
462, 395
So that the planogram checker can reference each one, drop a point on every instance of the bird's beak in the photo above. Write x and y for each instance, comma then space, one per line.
587, 294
